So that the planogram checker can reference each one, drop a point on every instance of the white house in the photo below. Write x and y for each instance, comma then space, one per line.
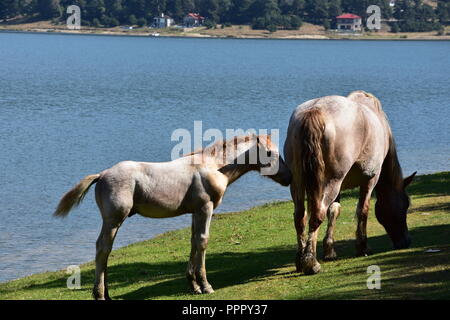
193, 20
349, 22
162, 21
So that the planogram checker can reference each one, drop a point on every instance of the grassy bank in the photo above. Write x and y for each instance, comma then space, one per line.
251, 255
307, 31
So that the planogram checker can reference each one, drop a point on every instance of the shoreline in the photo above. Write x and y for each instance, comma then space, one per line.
163, 233
236, 32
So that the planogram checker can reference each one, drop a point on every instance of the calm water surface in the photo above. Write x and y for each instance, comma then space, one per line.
75, 105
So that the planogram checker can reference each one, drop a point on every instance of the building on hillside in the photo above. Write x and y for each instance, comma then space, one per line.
162, 21
349, 22
193, 20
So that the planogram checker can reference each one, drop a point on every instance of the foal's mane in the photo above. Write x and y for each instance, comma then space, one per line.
220, 147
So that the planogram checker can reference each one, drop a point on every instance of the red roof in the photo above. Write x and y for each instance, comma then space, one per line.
348, 16
195, 16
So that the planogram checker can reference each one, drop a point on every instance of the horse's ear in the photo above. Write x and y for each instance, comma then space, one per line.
408, 180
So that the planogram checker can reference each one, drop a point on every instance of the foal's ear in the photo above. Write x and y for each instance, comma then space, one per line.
408, 180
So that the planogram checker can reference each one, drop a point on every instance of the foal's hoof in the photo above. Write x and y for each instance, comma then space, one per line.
197, 290
310, 265
208, 290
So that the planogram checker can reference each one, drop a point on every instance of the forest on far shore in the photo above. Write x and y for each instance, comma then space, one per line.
406, 15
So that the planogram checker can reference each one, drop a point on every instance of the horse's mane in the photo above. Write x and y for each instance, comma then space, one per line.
391, 172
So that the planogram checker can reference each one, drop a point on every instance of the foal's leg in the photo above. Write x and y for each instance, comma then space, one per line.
298, 195
190, 272
328, 242
318, 211
362, 212
202, 221
104, 245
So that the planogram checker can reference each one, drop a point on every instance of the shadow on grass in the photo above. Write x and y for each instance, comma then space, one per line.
227, 269
437, 184
231, 268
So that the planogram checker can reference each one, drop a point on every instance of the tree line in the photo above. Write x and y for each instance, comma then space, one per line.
410, 15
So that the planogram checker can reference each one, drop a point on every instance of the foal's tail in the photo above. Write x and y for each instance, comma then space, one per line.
311, 156
73, 198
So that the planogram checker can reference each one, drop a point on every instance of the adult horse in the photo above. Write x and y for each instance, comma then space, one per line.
193, 184
335, 143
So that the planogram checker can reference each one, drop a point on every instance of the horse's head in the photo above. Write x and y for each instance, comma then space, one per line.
270, 163
391, 209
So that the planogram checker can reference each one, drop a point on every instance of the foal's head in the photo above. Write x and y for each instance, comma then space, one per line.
391, 209
269, 161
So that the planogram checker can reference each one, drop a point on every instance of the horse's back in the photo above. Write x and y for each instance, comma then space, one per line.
354, 135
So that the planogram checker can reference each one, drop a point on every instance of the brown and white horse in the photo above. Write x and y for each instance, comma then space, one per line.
193, 184
335, 143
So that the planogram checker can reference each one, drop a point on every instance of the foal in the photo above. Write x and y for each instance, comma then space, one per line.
193, 184
336, 143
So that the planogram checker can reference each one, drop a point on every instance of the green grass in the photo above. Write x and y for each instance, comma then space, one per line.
251, 256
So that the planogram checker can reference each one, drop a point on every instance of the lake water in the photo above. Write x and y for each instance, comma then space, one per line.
73, 105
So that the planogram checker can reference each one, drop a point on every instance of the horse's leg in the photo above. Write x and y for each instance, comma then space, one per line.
318, 210
362, 212
104, 245
298, 195
202, 221
190, 272
328, 242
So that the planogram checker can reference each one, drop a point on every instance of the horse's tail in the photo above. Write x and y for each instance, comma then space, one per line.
312, 166
73, 197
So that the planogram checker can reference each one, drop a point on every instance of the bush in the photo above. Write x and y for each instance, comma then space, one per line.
272, 28
113, 22
296, 22
259, 23
326, 24
395, 28
132, 20
209, 24
142, 22
95, 23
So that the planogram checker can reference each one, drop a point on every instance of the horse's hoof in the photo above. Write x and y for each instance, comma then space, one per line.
208, 290
330, 256
310, 265
298, 263
363, 252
